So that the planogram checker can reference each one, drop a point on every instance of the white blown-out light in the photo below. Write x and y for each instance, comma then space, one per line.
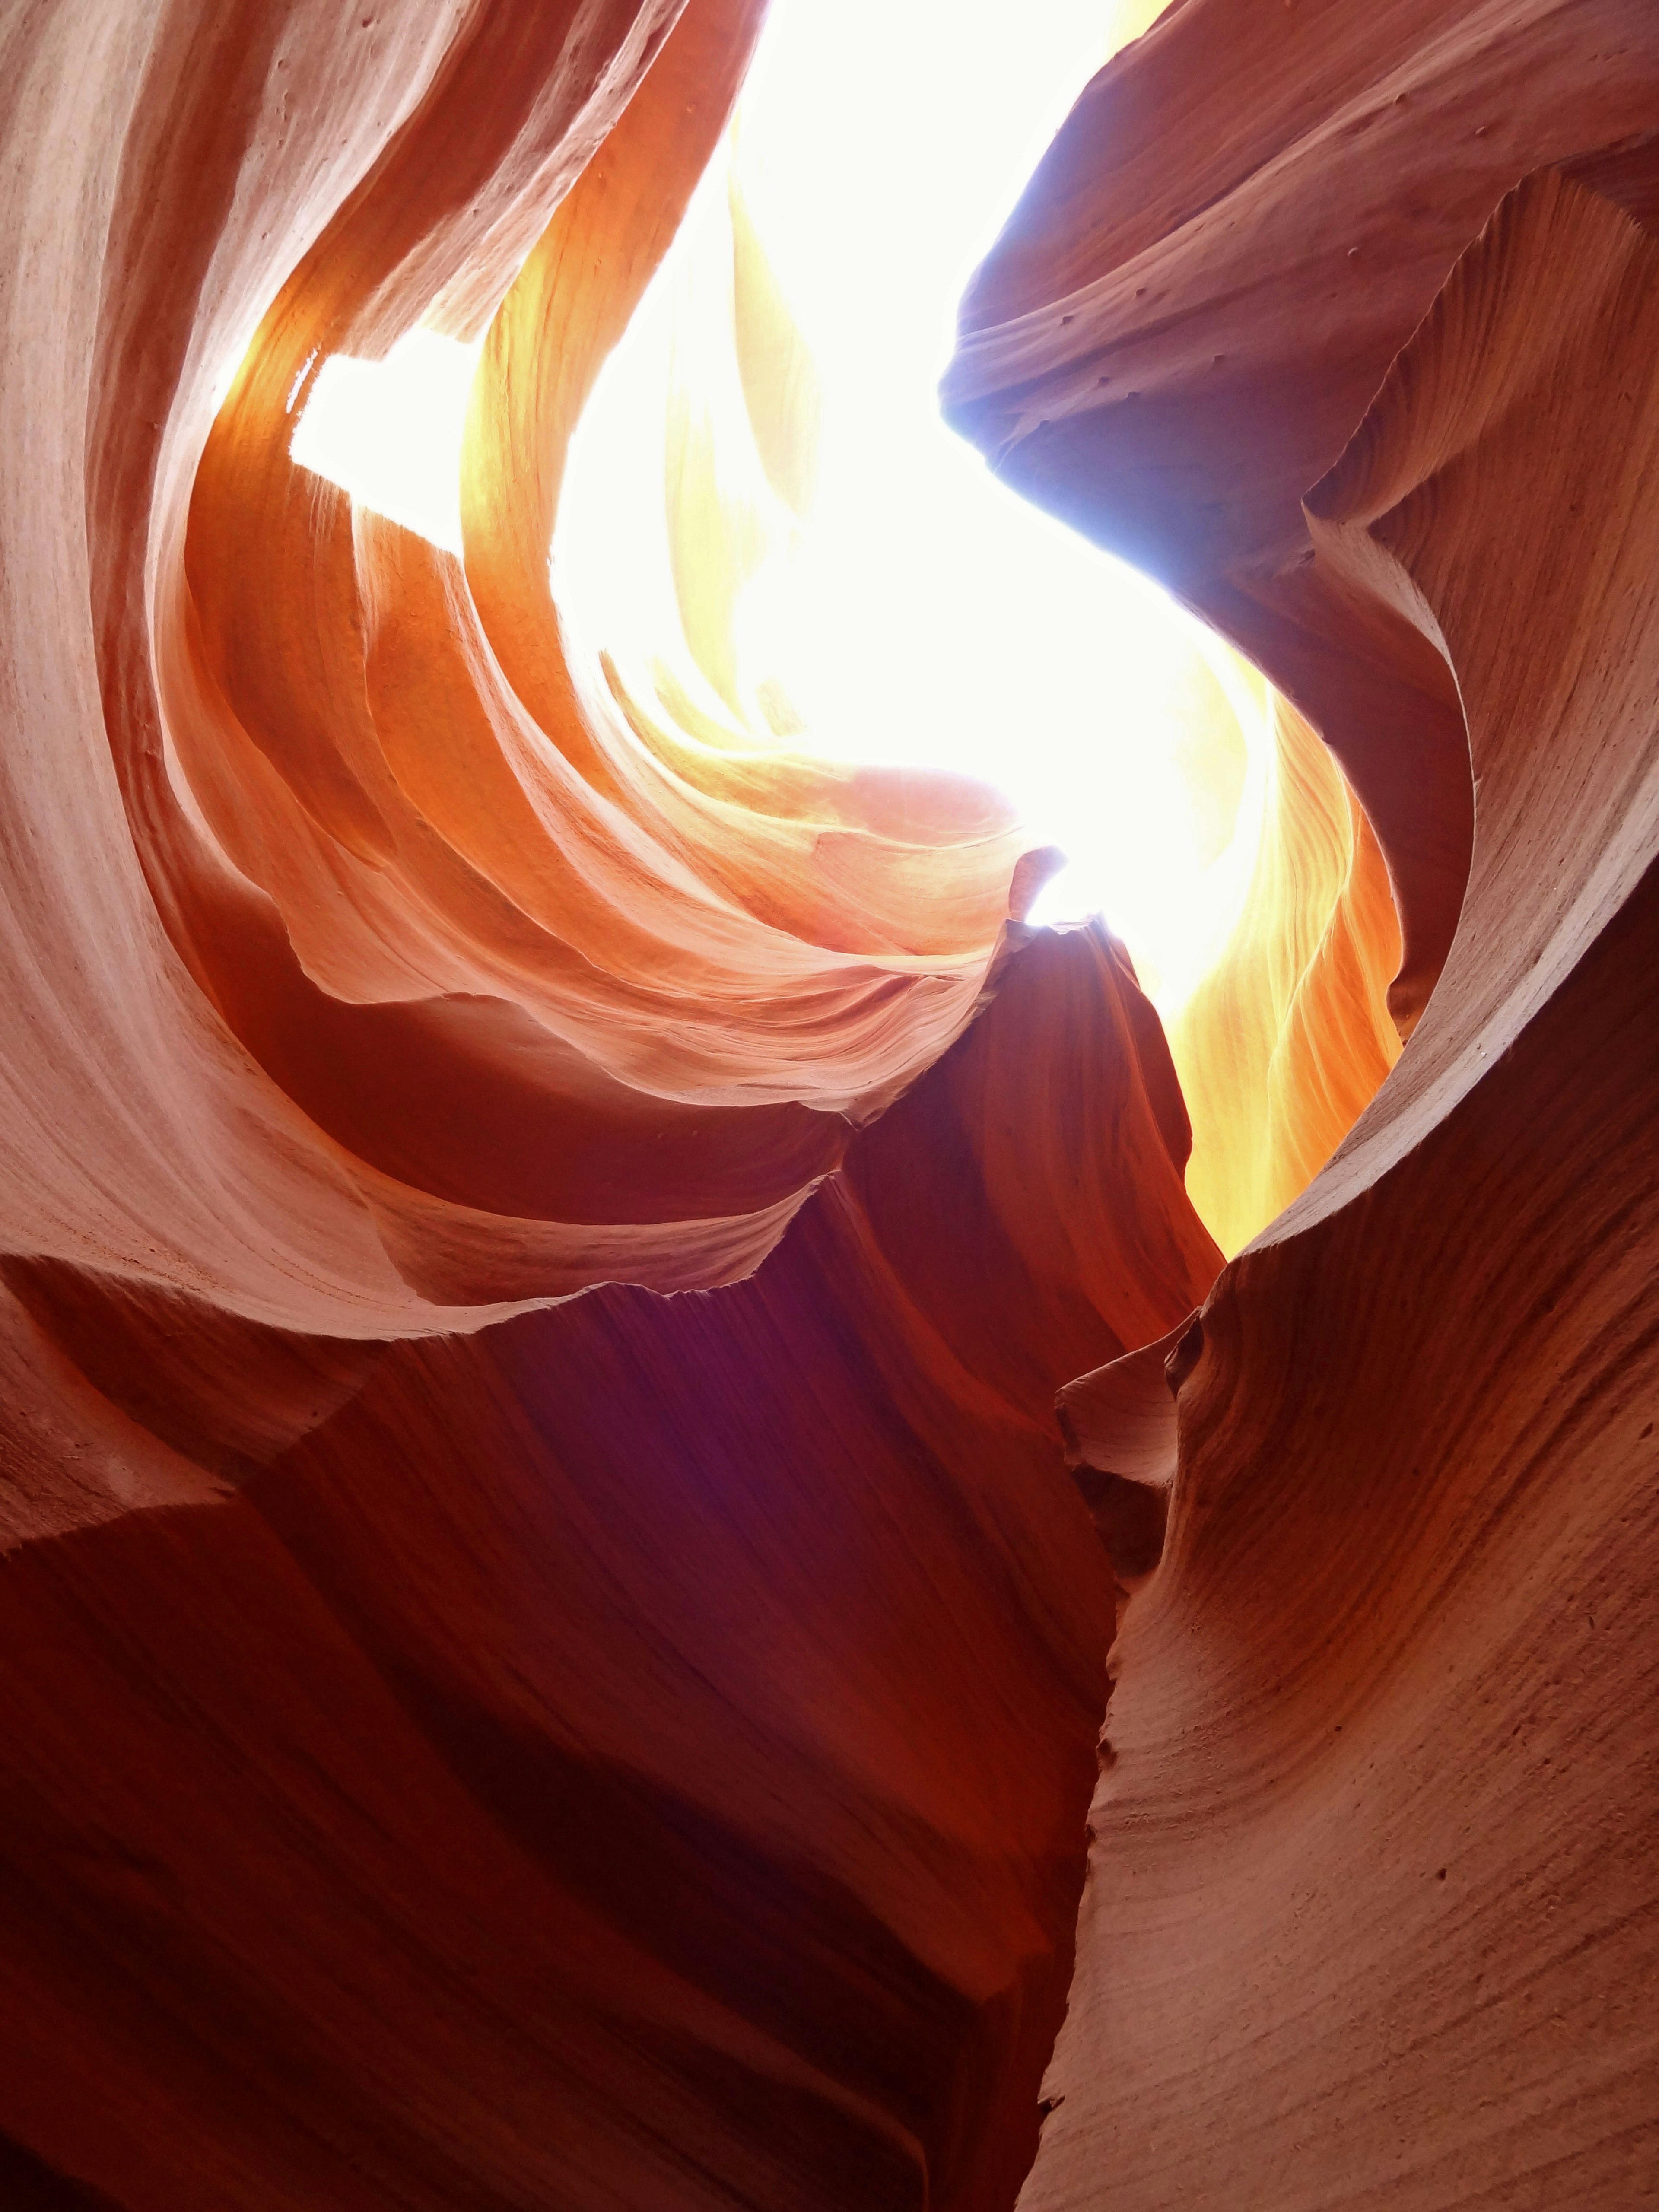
925, 614
389, 432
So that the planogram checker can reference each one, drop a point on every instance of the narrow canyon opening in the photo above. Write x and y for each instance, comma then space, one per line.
767, 540
828, 906
766, 531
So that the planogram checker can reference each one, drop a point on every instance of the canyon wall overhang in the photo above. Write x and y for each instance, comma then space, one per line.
552, 1655
1342, 320
468, 1741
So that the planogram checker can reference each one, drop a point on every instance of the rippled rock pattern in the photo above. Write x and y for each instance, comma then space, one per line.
551, 1658
1343, 321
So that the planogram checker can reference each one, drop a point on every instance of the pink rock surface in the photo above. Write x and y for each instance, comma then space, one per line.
551, 1656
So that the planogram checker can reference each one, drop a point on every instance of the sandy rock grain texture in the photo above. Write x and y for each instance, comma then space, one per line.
1366, 375
553, 1660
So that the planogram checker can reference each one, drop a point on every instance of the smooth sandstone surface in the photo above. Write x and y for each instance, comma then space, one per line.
551, 1655
1242, 222
1372, 1911
631, 1753
638, 1753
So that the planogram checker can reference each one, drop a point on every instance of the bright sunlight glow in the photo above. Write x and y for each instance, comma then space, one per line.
389, 432
916, 612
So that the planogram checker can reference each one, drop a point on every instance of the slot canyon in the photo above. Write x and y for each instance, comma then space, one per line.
693, 1518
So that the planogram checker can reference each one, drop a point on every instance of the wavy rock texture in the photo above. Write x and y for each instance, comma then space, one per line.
636, 1754
632, 1754
364, 983
1286, 1040
1371, 1908
535, 1749
1242, 222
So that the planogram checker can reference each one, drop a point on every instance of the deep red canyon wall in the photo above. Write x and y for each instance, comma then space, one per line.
634, 1753
1368, 375
637, 1754
470, 1743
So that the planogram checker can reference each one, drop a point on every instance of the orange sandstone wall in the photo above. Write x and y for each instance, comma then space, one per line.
1285, 1042
550, 1656
467, 1742
1343, 320
635, 1754
361, 983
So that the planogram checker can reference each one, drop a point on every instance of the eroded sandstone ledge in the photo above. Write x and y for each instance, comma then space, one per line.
472, 1743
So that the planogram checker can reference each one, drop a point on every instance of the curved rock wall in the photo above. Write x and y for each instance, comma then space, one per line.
634, 1753
637, 1753
1286, 1040
376, 988
1371, 1910
536, 1749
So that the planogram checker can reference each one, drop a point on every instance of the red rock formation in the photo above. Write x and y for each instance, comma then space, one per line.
634, 1750
363, 986
1285, 1042
1371, 1909
1240, 224
635, 1754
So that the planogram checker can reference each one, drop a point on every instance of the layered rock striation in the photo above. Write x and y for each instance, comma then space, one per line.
1370, 1905
469, 1742
552, 1655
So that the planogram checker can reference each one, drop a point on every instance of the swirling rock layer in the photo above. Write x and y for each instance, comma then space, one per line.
550, 1656
637, 1754
1371, 1904
365, 981
634, 1753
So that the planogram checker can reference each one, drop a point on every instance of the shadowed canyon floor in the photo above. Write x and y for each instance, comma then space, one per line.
552, 1656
